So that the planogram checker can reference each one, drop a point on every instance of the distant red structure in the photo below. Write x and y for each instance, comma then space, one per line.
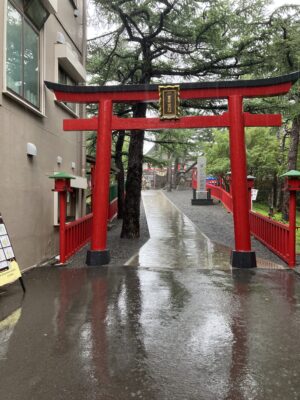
235, 119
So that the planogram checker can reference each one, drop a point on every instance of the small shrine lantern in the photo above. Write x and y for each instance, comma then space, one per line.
62, 186
292, 182
62, 182
250, 181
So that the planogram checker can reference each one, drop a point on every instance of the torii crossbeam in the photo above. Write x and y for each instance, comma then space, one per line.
235, 119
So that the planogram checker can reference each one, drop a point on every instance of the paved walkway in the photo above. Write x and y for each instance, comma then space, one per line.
175, 242
160, 328
215, 222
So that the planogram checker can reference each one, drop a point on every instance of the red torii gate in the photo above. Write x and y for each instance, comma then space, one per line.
235, 119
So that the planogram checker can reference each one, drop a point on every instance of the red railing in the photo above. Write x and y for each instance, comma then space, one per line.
77, 234
113, 210
220, 194
272, 234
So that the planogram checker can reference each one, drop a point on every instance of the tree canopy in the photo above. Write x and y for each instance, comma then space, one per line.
160, 41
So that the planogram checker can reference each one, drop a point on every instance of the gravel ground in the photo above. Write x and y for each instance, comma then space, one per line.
215, 222
121, 250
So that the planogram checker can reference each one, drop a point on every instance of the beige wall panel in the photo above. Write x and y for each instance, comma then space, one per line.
72, 24
26, 197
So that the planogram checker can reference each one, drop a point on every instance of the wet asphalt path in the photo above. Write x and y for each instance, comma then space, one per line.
156, 331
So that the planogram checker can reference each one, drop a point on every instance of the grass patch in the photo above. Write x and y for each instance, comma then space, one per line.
264, 210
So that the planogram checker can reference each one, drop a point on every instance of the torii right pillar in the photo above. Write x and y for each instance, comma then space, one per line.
242, 256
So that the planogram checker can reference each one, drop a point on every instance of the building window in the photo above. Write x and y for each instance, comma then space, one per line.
65, 79
22, 54
36, 12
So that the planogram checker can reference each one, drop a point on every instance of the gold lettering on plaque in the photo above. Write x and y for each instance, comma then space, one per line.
169, 102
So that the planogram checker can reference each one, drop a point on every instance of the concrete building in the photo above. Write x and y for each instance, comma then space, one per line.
42, 40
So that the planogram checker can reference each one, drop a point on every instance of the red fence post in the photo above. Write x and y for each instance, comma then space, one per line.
242, 256
99, 254
62, 186
293, 186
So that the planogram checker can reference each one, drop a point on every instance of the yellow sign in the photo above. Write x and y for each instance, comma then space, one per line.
11, 274
9, 268
169, 102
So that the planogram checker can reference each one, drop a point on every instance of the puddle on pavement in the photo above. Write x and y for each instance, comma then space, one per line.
175, 242
123, 333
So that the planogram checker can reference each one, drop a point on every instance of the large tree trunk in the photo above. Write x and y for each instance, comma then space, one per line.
120, 174
292, 161
131, 217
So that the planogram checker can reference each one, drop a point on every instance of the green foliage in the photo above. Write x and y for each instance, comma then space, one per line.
91, 144
217, 153
265, 158
180, 144
154, 39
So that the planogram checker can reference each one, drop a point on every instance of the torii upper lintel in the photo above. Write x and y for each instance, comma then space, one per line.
195, 90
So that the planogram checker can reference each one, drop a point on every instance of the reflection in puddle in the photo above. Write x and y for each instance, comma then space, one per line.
7, 326
175, 242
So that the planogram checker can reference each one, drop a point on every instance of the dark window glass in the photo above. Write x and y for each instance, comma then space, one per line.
31, 65
14, 50
36, 12
65, 79
19, 3
22, 57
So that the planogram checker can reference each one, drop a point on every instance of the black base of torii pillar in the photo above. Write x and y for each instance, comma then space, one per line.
243, 259
96, 258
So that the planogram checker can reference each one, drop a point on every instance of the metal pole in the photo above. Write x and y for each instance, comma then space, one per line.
242, 256
99, 254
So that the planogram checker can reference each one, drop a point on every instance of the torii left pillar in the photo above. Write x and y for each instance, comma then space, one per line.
99, 254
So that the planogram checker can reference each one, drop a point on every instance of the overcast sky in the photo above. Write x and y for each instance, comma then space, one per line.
278, 3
